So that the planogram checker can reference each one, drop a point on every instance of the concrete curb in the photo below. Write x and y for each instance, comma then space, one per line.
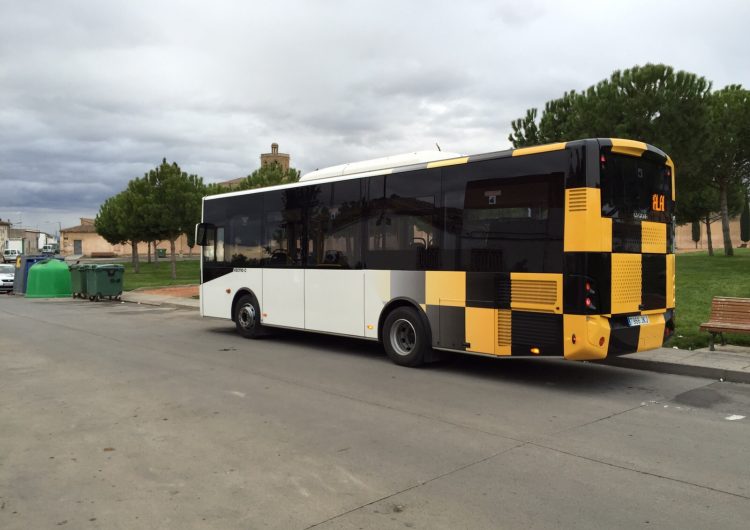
163, 304
159, 301
708, 372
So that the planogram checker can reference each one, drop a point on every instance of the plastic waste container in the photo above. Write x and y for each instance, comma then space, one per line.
49, 278
162, 252
104, 281
78, 280
23, 266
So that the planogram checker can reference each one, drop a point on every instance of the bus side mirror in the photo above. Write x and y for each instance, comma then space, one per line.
201, 231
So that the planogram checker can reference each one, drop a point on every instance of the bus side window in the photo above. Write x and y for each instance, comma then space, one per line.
244, 238
220, 244
282, 237
404, 221
505, 215
334, 226
209, 250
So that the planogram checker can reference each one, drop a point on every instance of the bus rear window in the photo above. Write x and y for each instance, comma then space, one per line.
635, 188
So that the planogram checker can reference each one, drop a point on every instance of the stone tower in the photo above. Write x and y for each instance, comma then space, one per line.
274, 156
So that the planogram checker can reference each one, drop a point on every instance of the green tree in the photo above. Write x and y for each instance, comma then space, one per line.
139, 214
652, 103
696, 232
215, 189
118, 222
109, 222
176, 202
269, 175
726, 154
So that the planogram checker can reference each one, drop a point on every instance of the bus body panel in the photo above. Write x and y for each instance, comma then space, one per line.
377, 294
284, 303
217, 294
335, 301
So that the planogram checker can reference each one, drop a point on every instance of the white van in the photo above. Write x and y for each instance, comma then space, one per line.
10, 255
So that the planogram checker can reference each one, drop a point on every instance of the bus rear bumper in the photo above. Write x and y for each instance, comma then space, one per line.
594, 337
585, 337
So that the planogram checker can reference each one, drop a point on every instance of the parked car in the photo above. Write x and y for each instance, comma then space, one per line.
7, 274
10, 255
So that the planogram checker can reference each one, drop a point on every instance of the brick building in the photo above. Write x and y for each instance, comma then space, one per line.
83, 240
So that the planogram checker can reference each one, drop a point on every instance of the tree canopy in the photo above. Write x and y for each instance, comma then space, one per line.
269, 175
175, 198
110, 222
704, 132
166, 203
163, 204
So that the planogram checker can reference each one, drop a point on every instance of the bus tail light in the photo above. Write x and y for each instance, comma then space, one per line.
535, 351
590, 297
601, 341
573, 338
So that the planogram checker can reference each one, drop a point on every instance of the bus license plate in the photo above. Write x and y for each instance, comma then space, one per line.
637, 321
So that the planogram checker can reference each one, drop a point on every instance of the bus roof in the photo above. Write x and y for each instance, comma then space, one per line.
375, 164
431, 159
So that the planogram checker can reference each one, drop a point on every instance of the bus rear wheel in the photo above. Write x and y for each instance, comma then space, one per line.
247, 317
405, 337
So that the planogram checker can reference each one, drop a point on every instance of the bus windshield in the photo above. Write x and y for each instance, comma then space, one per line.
635, 188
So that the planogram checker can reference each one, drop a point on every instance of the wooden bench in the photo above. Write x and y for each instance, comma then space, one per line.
103, 255
728, 315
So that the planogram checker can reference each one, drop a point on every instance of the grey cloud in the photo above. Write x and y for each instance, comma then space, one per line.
93, 94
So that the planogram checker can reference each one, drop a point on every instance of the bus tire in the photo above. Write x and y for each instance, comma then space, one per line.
247, 317
405, 338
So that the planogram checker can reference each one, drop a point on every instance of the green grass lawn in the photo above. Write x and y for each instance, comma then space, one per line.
700, 278
160, 275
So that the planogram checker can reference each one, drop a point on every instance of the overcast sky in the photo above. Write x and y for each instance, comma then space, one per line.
94, 93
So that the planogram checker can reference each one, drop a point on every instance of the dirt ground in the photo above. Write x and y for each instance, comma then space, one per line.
180, 291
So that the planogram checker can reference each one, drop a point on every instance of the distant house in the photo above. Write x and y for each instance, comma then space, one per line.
29, 236
4, 233
82, 240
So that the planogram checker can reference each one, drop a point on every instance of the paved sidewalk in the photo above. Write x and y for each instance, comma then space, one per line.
149, 298
730, 363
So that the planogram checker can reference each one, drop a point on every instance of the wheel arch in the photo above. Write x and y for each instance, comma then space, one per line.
403, 301
239, 294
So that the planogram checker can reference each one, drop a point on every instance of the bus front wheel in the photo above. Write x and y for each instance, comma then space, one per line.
247, 317
405, 338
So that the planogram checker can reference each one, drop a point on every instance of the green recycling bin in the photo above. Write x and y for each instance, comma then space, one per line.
48, 279
162, 252
78, 280
104, 281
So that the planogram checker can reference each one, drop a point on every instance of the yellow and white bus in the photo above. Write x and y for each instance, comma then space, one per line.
564, 250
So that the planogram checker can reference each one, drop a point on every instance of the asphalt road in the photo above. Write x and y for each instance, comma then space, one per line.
126, 416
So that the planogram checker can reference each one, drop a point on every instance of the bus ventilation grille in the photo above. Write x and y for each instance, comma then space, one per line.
503, 328
626, 279
536, 292
653, 236
577, 200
